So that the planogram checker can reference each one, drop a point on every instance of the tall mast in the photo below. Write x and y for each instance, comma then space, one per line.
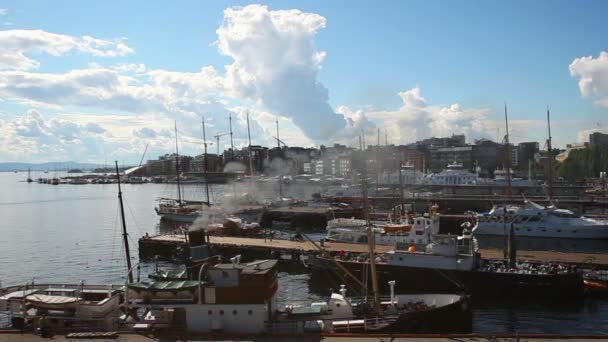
179, 188
280, 162
378, 163
124, 226
231, 142
550, 160
249, 137
385, 137
206, 164
370, 242
508, 158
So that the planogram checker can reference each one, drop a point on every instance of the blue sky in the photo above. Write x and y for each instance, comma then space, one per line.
476, 54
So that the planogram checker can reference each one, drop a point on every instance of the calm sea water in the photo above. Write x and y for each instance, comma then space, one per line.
68, 233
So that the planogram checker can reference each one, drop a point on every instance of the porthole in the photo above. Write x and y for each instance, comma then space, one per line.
234, 312
250, 312
221, 312
210, 312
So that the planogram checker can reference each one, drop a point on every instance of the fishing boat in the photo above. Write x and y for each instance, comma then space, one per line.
452, 263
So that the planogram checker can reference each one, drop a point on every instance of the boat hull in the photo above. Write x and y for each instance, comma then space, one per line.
599, 231
183, 218
455, 318
477, 283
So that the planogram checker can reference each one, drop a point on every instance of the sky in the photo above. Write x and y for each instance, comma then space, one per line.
98, 81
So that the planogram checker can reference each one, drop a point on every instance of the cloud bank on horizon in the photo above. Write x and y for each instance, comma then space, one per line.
112, 110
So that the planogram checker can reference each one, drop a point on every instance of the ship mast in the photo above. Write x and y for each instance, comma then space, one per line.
249, 137
508, 157
231, 141
179, 189
280, 163
550, 160
125, 236
370, 242
206, 170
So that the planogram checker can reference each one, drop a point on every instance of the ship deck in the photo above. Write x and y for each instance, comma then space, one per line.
310, 248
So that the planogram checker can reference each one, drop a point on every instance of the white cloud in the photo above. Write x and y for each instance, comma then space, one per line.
84, 137
416, 119
15, 44
276, 63
583, 135
593, 77
3, 11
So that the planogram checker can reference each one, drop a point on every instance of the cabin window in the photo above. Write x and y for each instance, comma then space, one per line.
250, 312
574, 231
400, 259
337, 305
221, 312
234, 312
559, 230
225, 274
210, 312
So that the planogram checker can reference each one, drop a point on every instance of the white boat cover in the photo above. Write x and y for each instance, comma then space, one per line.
53, 300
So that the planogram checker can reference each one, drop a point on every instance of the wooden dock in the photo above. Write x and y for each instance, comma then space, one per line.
307, 247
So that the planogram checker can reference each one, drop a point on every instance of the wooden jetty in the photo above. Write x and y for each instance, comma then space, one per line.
257, 245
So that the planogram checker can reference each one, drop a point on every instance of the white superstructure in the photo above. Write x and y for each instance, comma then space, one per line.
455, 174
534, 220
408, 231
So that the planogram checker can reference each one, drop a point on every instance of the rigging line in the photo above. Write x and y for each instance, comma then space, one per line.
115, 225
137, 227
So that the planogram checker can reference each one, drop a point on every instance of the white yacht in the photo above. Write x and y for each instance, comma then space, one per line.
534, 220
454, 174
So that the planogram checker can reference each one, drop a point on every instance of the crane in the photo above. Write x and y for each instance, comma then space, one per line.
217, 138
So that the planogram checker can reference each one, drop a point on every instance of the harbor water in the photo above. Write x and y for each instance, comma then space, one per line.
72, 233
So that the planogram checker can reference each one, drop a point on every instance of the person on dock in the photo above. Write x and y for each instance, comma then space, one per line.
45, 327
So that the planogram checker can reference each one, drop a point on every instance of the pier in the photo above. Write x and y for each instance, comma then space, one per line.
148, 247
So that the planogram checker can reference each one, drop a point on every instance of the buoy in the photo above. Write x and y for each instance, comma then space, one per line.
411, 249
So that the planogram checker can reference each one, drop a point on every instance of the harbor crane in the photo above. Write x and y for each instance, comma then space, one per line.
217, 139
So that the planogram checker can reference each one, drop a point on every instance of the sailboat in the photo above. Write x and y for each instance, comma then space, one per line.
180, 210
29, 176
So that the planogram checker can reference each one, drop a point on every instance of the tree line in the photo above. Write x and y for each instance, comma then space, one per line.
588, 162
